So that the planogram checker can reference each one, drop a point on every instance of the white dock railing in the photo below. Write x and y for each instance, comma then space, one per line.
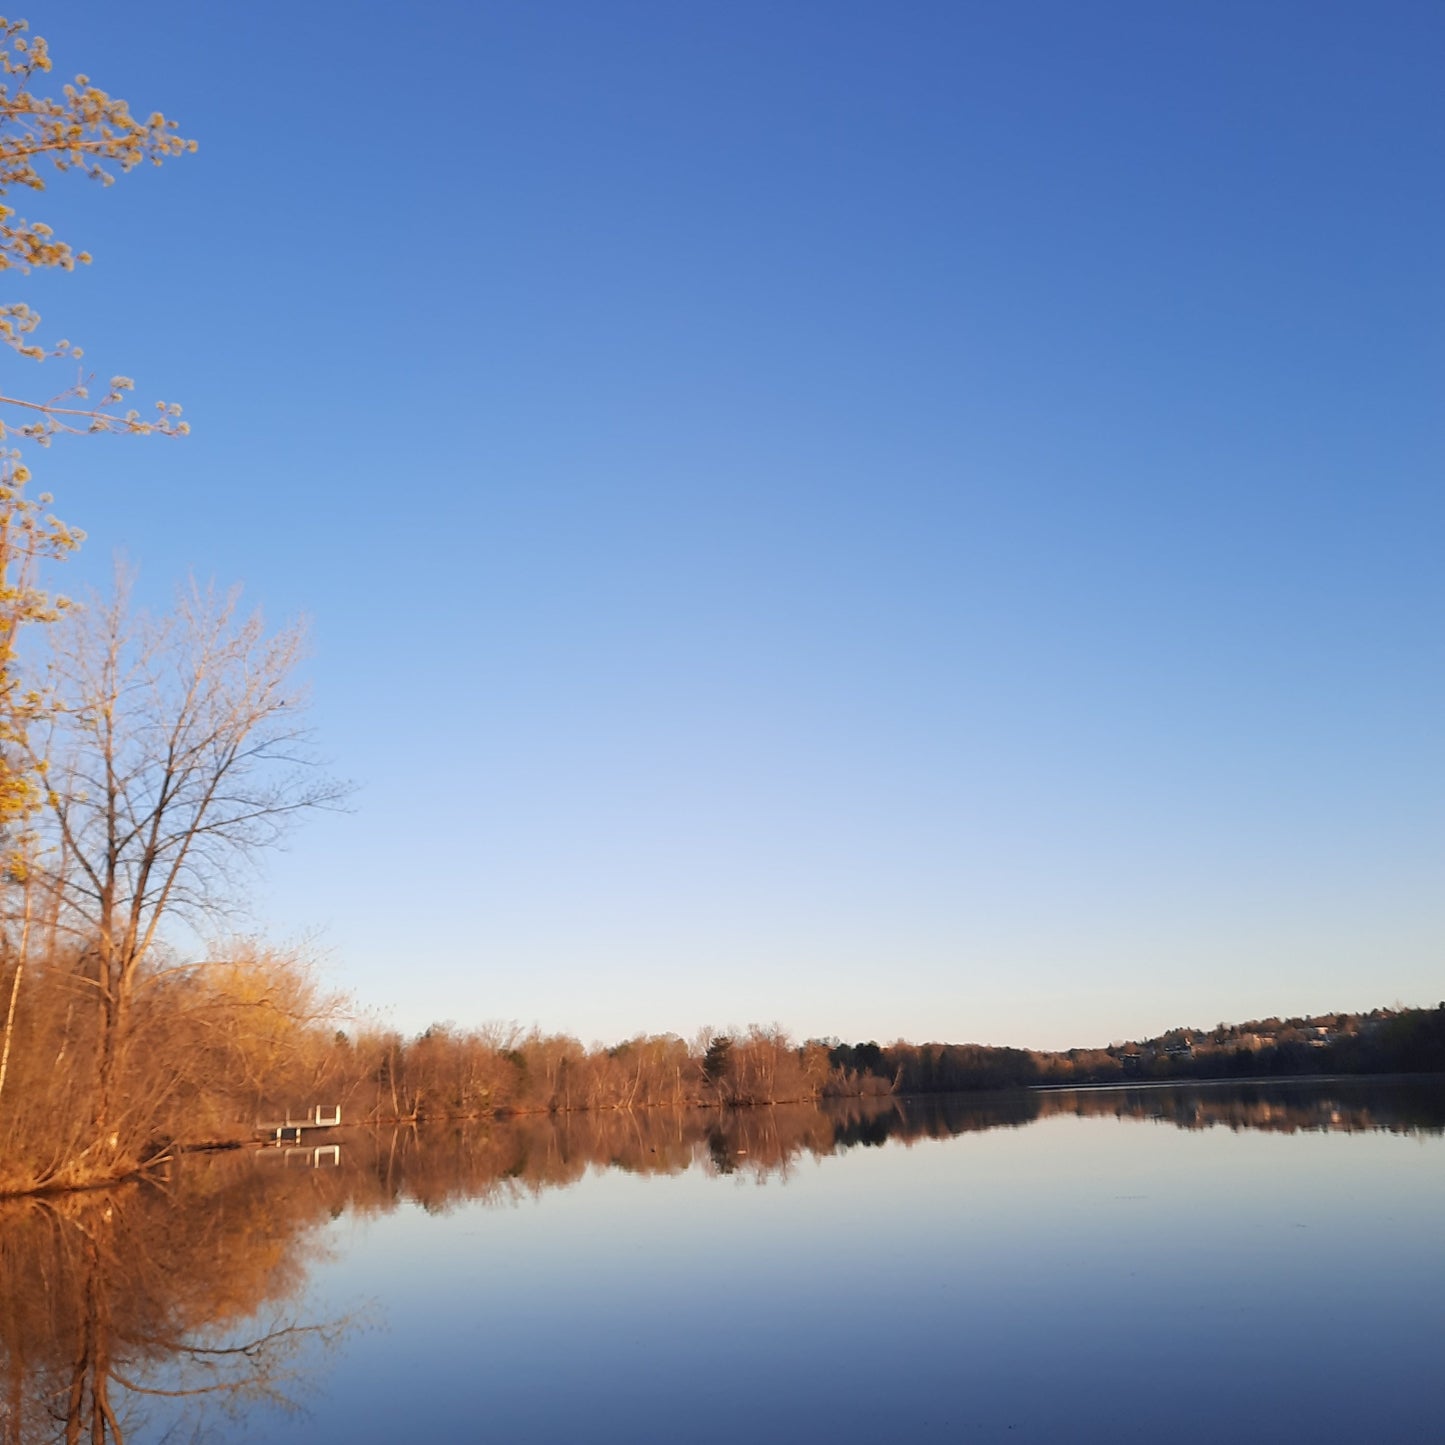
318, 1117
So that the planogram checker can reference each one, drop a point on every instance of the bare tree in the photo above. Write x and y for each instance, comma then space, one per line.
175, 749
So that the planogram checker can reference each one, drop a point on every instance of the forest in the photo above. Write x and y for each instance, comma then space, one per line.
209, 1052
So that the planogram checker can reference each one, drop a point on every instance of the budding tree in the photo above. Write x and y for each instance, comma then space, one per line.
85, 130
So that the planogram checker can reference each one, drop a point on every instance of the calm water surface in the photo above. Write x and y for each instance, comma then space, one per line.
1189, 1263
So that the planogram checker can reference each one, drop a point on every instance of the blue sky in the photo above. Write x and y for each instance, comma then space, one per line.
900, 520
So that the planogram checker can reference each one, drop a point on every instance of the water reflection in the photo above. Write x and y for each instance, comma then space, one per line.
508, 1159
1408, 1106
176, 1291
183, 1295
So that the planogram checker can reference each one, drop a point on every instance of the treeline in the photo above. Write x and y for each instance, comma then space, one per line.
211, 1050
453, 1073
935, 1068
1405, 1041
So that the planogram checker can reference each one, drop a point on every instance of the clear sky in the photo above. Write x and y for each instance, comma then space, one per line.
897, 519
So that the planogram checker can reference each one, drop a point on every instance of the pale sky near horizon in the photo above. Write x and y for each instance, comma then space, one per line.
901, 520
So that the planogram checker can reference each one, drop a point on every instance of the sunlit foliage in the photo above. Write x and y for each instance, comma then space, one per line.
46, 131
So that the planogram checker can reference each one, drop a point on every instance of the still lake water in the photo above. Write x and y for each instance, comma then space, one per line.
1188, 1263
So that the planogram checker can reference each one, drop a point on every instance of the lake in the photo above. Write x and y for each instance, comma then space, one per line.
1187, 1262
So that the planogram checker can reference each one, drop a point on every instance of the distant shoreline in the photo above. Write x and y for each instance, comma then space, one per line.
1225, 1082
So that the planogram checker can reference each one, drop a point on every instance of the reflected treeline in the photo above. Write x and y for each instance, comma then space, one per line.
503, 1160
166, 1298
179, 1296
1348, 1106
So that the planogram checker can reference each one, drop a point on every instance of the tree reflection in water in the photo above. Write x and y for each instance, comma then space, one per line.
188, 1290
176, 1290
509, 1159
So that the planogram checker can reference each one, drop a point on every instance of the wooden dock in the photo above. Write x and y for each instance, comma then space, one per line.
292, 1129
